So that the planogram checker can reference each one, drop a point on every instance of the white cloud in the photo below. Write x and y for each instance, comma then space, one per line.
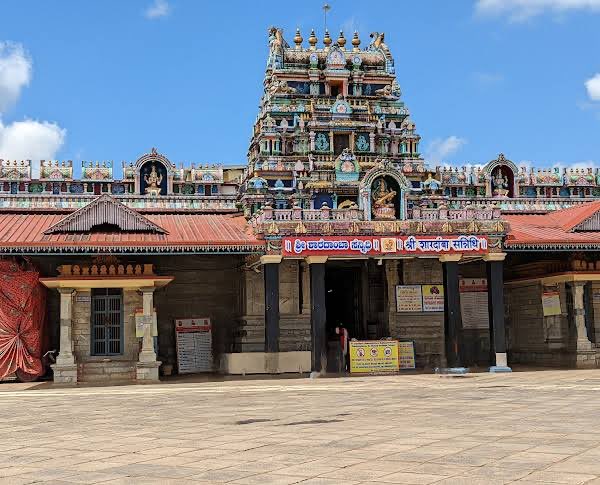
30, 140
488, 78
15, 73
593, 87
158, 9
521, 10
27, 139
584, 164
438, 149
526, 164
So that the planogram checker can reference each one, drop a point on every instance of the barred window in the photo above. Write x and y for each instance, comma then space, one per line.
107, 321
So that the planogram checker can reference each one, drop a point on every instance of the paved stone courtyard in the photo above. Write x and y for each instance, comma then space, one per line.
526, 427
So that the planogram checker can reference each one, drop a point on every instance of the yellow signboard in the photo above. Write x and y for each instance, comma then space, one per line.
551, 303
433, 298
406, 351
373, 356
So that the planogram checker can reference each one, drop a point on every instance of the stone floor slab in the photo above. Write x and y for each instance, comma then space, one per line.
528, 427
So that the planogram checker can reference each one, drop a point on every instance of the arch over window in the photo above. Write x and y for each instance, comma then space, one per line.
386, 171
503, 176
153, 174
382, 169
163, 166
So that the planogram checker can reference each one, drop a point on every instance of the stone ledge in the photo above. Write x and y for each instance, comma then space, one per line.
65, 375
147, 372
265, 363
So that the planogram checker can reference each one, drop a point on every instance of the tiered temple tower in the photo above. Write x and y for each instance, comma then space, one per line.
328, 116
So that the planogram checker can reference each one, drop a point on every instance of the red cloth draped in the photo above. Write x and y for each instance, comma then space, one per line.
22, 304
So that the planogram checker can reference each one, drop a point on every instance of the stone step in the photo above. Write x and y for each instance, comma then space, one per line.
116, 376
106, 367
107, 371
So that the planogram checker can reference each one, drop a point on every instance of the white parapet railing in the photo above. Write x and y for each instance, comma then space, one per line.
139, 202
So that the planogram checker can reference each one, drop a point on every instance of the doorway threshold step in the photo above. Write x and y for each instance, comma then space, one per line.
452, 371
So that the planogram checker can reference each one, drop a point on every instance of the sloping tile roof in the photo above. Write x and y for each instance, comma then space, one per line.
104, 210
554, 229
185, 233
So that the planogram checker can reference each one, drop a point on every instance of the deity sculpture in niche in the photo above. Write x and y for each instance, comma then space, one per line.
322, 142
383, 201
153, 181
346, 167
362, 143
347, 161
499, 183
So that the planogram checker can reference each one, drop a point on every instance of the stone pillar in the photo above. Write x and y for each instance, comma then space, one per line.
318, 315
578, 290
364, 298
392, 279
65, 368
147, 365
306, 288
371, 142
452, 314
495, 278
271, 273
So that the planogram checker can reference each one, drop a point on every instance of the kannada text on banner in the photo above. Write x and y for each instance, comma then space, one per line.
374, 356
373, 246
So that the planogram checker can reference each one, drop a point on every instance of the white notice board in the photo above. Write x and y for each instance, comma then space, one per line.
474, 303
194, 345
409, 298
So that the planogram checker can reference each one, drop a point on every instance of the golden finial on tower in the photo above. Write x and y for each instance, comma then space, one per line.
341, 40
298, 39
312, 40
355, 41
327, 39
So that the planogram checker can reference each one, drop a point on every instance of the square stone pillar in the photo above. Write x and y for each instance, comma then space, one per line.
452, 313
578, 290
392, 279
147, 365
271, 274
318, 315
65, 368
495, 274
306, 288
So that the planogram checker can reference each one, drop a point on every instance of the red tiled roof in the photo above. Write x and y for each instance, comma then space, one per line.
185, 232
554, 228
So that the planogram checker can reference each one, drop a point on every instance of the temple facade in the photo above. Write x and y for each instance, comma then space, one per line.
335, 221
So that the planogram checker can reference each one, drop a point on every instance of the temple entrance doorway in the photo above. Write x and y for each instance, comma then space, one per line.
346, 305
355, 299
342, 299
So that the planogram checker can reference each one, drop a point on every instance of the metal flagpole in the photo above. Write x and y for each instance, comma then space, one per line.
326, 8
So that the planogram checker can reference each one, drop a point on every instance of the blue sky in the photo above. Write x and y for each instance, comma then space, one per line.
107, 80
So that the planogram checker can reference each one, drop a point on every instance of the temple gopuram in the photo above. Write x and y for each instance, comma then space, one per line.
335, 221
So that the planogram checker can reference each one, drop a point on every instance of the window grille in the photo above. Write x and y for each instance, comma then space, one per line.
107, 321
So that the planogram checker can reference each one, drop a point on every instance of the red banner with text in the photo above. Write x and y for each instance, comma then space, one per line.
378, 246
